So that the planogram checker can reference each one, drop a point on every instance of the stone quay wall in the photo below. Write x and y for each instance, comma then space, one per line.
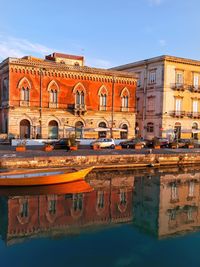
139, 160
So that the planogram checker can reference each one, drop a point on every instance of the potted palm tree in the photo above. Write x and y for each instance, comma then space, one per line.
138, 144
156, 143
190, 143
48, 147
72, 143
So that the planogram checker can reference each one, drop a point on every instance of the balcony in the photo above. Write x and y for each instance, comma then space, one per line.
178, 86
194, 89
79, 109
177, 114
53, 105
24, 103
194, 115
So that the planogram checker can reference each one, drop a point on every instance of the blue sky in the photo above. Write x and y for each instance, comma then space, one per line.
107, 32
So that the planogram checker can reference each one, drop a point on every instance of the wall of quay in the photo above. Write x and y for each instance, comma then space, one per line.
101, 161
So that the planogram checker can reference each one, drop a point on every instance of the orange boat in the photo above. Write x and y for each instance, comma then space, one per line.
76, 187
42, 178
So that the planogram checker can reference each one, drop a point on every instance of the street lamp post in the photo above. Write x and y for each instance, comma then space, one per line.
112, 108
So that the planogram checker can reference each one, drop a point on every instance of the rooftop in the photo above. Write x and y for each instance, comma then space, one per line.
44, 64
157, 59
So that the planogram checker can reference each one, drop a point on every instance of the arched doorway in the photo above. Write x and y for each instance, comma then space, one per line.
177, 130
124, 132
79, 129
194, 131
53, 130
25, 129
102, 133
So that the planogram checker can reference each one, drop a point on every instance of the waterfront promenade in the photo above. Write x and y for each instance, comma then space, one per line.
35, 157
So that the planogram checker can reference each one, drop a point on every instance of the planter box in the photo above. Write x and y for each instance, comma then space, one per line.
73, 148
138, 146
118, 147
96, 147
48, 148
20, 148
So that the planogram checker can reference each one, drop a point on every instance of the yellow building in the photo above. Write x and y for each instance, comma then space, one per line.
168, 97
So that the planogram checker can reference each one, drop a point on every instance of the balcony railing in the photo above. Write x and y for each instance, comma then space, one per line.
193, 114
178, 86
194, 89
24, 103
80, 109
53, 105
102, 108
177, 113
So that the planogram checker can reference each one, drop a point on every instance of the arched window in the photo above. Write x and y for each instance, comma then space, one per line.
150, 127
195, 130
77, 202
79, 129
103, 101
124, 132
25, 129
177, 130
102, 93
53, 130
82, 98
24, 86
53, 90
25, 94
53, 96
100, 200
125, 99
102, 133
79, 92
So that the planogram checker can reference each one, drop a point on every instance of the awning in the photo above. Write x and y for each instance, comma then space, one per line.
119, 129
70, 129
98, 129
183, 131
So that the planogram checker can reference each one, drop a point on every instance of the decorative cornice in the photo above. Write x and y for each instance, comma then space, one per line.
54, 69
158, 59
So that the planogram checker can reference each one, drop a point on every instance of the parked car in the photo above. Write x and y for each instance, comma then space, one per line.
163, 142
131, 143
181, 143
63, 143
103, 143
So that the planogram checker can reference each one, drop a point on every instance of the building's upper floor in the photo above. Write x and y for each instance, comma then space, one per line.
167, 72
62, 81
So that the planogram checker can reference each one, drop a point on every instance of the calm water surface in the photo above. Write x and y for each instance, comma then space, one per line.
126, 218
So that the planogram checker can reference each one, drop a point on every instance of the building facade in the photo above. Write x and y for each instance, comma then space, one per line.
168, 97
59, 96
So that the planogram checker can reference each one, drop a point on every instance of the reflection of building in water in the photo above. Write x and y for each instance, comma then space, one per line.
167, 204
179, 203
160, 202
51, 215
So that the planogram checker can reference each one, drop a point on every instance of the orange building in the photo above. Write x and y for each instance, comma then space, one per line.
58, 95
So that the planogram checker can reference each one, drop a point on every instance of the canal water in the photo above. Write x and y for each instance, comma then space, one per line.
124, 218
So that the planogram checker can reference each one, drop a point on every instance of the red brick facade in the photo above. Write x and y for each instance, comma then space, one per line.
44, 91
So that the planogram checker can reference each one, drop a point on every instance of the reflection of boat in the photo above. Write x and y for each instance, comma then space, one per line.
57, 189
42, 178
